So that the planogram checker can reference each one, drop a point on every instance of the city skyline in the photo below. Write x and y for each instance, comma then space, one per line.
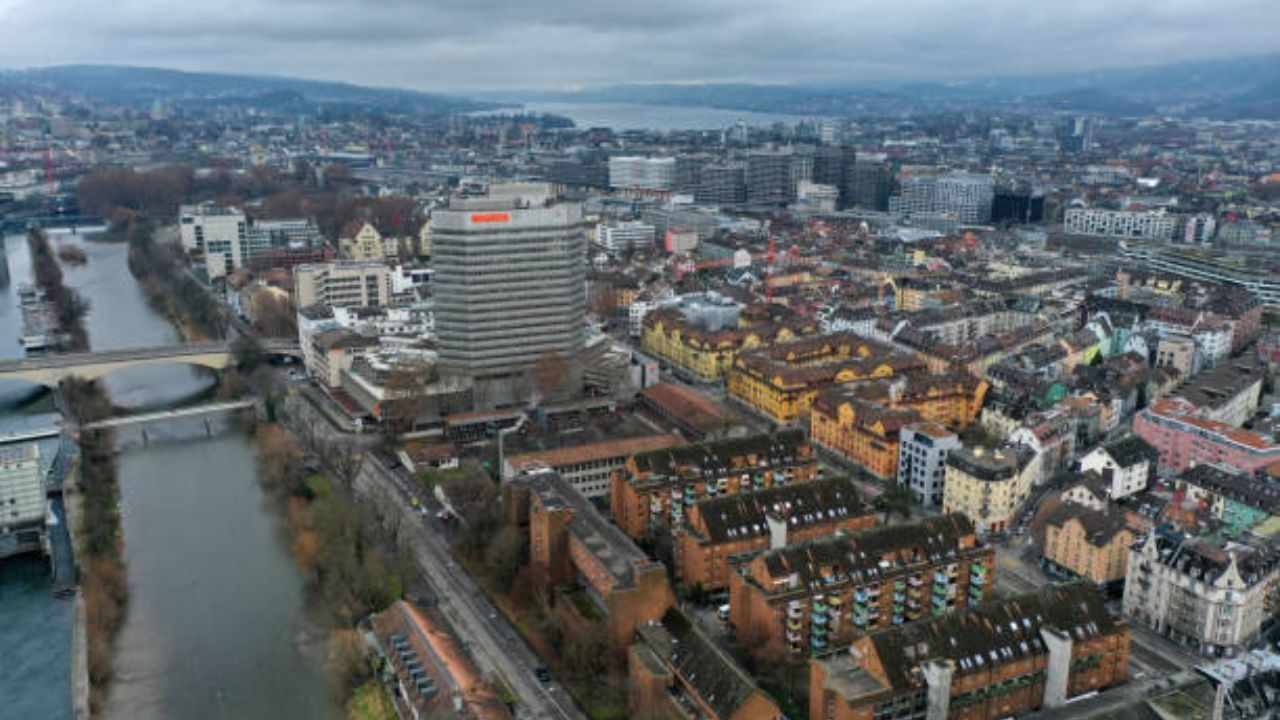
487, 46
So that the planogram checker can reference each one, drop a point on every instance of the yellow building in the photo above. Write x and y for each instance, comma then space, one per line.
707, 355
862, 421
1088, 543
361, 241
783, 381
988, 486
863, 432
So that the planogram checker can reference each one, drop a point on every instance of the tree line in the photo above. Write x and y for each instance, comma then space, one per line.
104, 583
161, 270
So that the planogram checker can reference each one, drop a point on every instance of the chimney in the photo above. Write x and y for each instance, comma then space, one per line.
777, 530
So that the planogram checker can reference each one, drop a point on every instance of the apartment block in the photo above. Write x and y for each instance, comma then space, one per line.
720, 530
863, 422
1182, 437
1239, 500
707, 354
989, 486
655, 490
1139, 224
342, 283
999, 660
1092, 544
817, 596
1209, 595
922, 460
783, 380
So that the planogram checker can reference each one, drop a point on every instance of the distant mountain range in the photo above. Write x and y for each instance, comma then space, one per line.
1247, 87
1237, 88
142, 86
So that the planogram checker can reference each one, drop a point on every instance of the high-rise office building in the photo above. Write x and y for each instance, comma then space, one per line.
688, 173
509, 284
722, 185
866, 183
770, 180
966, 197
642, 173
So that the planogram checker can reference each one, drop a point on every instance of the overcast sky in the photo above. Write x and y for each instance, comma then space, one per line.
563, 44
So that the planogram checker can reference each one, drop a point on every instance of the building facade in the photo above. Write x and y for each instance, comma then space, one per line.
988, 486
655, 490
342, 283
1000, 660
1142, 224
719, 530
1209, 596
922, 460
818, 596
509, 285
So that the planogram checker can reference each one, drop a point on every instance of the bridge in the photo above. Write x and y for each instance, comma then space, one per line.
194, 410
49, 370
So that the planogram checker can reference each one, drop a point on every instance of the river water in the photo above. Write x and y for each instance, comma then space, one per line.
217, 624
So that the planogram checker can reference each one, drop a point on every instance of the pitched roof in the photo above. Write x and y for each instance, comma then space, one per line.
991, 634
742, 515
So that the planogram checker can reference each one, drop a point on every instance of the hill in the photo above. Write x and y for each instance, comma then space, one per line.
141, 86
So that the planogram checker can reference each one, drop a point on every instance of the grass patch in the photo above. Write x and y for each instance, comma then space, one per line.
370, 701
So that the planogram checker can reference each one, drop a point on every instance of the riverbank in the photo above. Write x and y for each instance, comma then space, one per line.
100, 543
352, 570
162, 273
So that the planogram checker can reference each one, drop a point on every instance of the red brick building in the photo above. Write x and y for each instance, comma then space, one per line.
999, 660
718, 530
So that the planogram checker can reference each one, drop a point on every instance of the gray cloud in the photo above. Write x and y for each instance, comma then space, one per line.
470, 44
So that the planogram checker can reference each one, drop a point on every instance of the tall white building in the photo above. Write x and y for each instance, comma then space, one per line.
1142, 224
642, 173
229, 240
619, 238
510, 284
922, 460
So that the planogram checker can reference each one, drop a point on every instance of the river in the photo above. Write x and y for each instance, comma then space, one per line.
217, 624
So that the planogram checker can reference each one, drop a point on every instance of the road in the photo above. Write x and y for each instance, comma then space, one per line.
485, 631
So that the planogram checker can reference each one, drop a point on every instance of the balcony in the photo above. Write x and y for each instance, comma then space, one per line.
940, 577
897, 619
794, 638
834, 601
915, 581
819, 621
899, 586
978, 569
818, 644
794, 624
795, 613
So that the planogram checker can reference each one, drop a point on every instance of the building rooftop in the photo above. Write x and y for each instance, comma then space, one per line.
991, 634
872, 554
607, 544
592, 452
720, 682
1218, 386
990, 465
711, 459
1255, 491
743, 515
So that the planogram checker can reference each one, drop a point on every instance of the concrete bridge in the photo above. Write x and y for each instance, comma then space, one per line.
159, 415
49, 370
